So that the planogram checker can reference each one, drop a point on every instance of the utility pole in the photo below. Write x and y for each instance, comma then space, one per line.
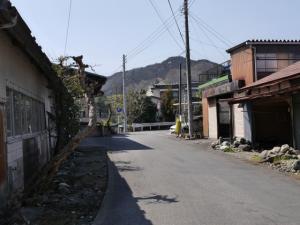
124, 94
188, 68
179, 90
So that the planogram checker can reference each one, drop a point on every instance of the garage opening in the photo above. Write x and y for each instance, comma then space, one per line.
272, 125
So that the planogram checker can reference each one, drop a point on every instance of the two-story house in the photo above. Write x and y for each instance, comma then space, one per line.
264, 122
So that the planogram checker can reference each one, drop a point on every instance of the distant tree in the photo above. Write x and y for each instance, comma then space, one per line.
167, 108
140, 108
150, 110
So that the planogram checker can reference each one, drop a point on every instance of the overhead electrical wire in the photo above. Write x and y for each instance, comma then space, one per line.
171, 8
191, 3
68, 26
147, 42
142, 46
209, 39
151, 38
161, 19
205, 43
211, 30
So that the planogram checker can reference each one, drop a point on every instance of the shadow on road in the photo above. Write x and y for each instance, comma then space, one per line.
117, 143
155, 198
121, 207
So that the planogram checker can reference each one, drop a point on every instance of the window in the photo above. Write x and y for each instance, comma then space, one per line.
9, 107
267, 62
24, 114
293, 58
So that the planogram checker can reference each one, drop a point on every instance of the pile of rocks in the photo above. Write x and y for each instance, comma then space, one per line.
238, 145
284, 158
73, 196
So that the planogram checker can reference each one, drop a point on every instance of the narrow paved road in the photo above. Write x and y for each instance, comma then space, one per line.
160, 180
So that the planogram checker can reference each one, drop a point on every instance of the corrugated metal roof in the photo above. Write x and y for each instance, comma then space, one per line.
285, 73
264, 42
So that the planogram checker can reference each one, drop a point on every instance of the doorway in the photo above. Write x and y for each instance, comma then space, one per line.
224, 117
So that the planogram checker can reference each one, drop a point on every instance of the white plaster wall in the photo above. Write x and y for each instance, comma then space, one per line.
239, 124
212, 119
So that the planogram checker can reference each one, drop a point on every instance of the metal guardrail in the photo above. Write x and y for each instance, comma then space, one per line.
151, 125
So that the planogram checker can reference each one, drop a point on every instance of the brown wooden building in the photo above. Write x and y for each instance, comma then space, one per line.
251, 61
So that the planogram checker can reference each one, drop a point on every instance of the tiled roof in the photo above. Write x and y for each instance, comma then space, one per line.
286, 73
264, 42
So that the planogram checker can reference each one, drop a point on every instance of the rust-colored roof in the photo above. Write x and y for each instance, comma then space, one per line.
283, 74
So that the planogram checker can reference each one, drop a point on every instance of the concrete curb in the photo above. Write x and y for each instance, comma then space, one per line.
106, 203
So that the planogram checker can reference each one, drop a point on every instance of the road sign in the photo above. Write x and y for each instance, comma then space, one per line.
119, 109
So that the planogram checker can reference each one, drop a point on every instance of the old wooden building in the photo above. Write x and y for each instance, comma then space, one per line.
27, 84
251, 62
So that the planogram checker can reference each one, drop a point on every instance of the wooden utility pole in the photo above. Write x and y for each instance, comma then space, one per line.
124, 95
188, 69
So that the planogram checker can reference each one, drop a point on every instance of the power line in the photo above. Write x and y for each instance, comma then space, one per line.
68, 26
151, 39
191, 3
161, 19
157, 33
171, 8
148, 41
161, 27
210, 29
209, 39
207, 44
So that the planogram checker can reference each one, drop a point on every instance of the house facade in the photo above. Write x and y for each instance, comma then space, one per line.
156, 91
26, 101
251, 61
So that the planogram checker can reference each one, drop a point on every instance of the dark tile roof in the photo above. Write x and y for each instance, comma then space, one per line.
264, 42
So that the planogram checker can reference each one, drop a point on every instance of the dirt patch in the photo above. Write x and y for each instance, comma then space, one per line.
73, 196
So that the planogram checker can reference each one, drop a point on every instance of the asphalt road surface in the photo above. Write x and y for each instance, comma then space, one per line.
158, 179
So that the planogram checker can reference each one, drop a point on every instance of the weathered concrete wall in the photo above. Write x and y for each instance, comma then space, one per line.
20, 74
212, 118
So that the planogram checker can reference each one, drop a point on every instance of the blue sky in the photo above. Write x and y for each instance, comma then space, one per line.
103, 30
